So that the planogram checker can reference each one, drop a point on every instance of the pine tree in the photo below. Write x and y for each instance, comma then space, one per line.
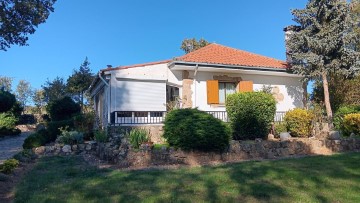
79, 82
323, 42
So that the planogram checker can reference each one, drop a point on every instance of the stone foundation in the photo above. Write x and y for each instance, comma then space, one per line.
119, 151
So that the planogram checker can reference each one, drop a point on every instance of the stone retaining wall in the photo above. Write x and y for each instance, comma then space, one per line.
119, 151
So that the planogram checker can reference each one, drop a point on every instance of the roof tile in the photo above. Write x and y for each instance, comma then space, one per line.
219, 54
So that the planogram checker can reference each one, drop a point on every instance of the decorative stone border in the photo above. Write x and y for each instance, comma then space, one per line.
119, 151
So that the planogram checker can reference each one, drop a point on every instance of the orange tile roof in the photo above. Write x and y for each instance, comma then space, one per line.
219, 54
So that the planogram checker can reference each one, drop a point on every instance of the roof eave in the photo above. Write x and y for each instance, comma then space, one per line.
173, 63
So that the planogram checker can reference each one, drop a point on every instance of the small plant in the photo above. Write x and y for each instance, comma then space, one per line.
352, 124
70, 137
25, 155
138, 136
8, 166
280, 128
299, 122
36, 139
340, 114
160, 146
100, 136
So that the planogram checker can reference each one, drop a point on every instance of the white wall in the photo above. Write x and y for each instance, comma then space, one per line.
290, 87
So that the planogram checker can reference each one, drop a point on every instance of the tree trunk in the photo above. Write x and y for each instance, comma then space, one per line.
327, 100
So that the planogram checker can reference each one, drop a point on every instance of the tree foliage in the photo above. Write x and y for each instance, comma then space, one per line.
79, 81
19, 18
191, 44
323, 42
54, 90
38, 98
5, 83
7, 101
63, 109
24, 92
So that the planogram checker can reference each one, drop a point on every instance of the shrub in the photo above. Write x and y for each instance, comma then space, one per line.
9, 165
352, 124
138, 136
250, 114
7, 125
53, 128
63, 109
7, 101
27, 119
340, 113
37, 139
25, 155
70, 137
85, 123
299, 122
279, 128
7, 121
100, 136
192, 129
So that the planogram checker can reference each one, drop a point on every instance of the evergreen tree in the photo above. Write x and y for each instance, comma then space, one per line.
79, 82
323, 42
54, 90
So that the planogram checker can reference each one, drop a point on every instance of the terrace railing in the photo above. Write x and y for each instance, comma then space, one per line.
158, 117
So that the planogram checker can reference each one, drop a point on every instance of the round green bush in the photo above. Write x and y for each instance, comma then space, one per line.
299, 122
63, 109
250, 114
37, 139
192, 129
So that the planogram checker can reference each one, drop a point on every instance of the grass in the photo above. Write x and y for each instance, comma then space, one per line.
312, 179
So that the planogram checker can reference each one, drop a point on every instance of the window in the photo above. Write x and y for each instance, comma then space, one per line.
225, 88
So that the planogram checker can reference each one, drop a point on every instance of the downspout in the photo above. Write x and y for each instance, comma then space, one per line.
195, 73
109, 96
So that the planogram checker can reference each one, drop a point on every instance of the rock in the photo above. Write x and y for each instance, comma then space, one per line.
285, 136
334, 135
257, 140
81, 146
88, 147
66, 149
74, 147
271, 137
352, 135
39, 150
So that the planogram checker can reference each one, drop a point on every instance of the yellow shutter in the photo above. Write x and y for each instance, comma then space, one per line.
212, 91
246, 86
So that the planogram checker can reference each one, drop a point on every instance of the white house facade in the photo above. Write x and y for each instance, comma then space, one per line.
142, 93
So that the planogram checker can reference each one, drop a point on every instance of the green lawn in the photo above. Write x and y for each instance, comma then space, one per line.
312, 179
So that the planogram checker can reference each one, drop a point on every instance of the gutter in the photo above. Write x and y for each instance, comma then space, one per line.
109, 96
173, 63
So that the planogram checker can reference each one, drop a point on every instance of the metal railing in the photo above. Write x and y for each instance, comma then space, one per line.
158, 117
138, 117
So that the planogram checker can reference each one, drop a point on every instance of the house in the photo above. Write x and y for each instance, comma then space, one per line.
141, 93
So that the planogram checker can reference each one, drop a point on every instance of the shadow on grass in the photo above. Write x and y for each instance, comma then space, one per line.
323, 179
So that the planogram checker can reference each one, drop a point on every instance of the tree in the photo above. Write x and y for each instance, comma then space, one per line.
54, 90
20, 18
189, 45
80, 81
38, 98
5, 83
23, 92
324, 42
7, 101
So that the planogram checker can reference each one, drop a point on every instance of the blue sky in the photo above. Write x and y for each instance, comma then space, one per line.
136, 31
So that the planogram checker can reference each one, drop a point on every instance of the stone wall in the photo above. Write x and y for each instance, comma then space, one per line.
119, 151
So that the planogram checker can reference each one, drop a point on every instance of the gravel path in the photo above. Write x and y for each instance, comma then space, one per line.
12, 145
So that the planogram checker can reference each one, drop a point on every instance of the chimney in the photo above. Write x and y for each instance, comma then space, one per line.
289, 30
